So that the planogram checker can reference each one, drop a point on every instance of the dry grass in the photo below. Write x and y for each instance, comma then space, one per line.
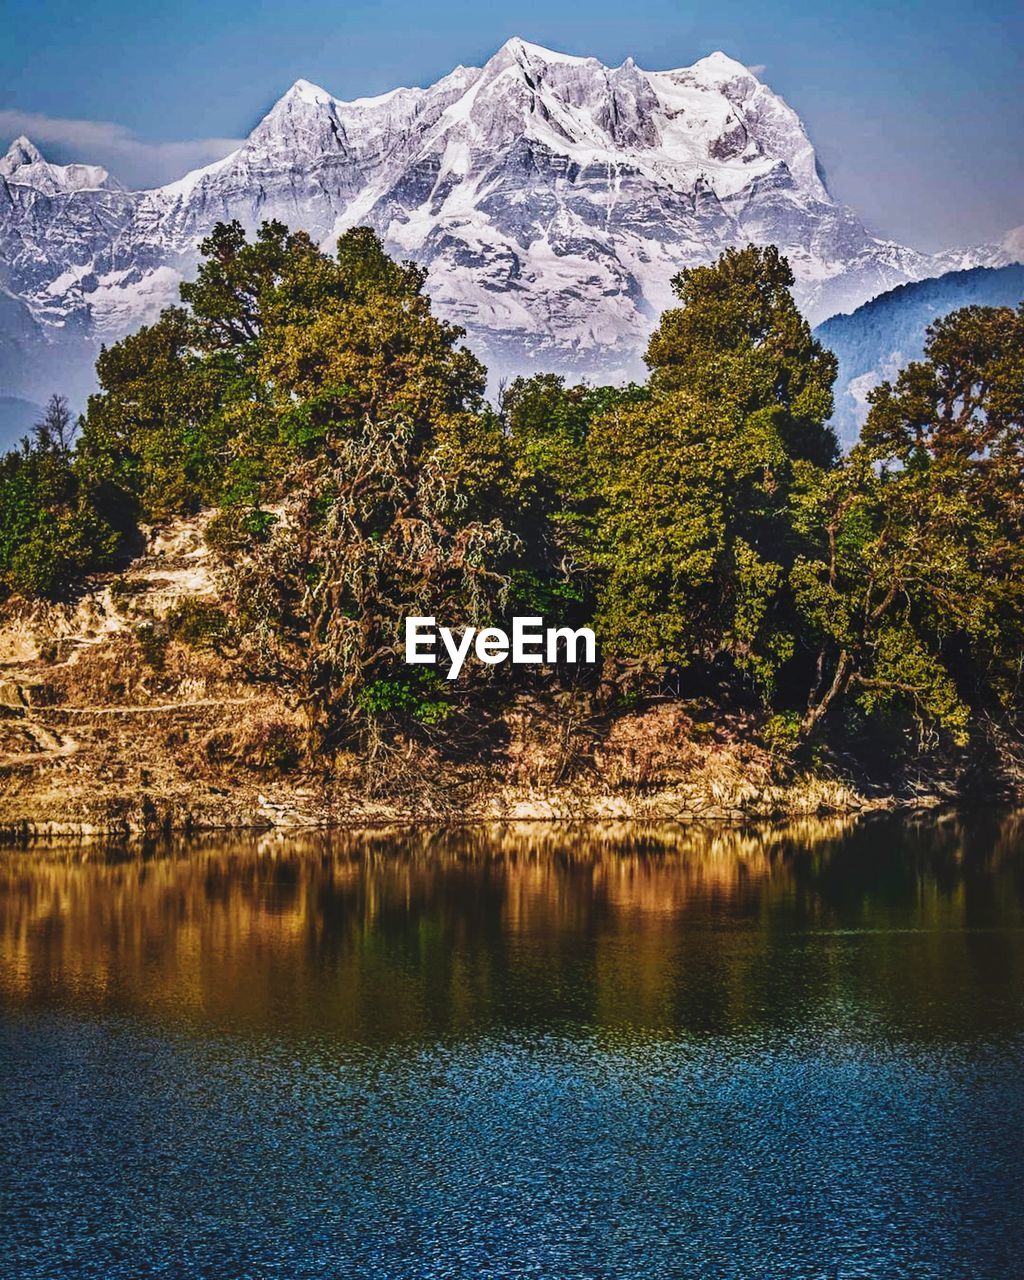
129, 726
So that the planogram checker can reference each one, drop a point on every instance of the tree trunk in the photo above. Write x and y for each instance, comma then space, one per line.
817, 711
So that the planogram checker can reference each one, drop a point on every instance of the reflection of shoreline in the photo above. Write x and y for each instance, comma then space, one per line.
569, 838
413, 932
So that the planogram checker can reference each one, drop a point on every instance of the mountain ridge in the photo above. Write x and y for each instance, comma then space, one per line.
551, 199
886, 333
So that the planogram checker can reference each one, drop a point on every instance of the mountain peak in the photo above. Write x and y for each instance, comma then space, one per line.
720, 64
22, 151
307, 92
523, 51
25, 164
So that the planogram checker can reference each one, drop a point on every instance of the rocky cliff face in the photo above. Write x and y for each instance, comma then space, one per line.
551, 198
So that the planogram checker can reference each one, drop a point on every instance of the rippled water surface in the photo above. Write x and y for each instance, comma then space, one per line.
527, 1052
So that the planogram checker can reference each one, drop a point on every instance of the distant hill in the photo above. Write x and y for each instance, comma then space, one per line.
17, 417
878, 339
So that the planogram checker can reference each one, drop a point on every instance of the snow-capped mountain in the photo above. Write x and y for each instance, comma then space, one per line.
551, 198
25, 166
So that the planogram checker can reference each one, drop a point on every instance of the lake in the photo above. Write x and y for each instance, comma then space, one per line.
536, 1051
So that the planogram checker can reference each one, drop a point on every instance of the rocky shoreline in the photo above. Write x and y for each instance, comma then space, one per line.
35, 811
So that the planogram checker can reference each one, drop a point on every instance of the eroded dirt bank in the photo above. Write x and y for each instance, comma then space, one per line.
112, 720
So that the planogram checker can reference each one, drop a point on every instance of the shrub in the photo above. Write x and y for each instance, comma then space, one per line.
198, 623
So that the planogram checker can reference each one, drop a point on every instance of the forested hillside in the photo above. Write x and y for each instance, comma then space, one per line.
877, 340
333, 438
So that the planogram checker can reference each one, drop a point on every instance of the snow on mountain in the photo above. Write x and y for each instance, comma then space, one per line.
551, 198
1008, 250
24, 164
884, 335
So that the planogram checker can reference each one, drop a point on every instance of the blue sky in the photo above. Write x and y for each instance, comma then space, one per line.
916, 109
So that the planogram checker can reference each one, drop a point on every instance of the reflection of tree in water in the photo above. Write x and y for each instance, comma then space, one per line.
410, 933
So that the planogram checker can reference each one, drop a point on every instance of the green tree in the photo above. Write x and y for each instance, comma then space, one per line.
51, 532
153, 441
738, 339
915, 596
551, 483
372, 533
182, 418
342, 430
694, 534
387, 490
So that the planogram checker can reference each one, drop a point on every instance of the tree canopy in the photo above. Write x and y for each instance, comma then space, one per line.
703, 521
694, 534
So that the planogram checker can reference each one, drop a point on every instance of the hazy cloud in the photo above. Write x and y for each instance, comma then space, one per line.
757, 69
131, 160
